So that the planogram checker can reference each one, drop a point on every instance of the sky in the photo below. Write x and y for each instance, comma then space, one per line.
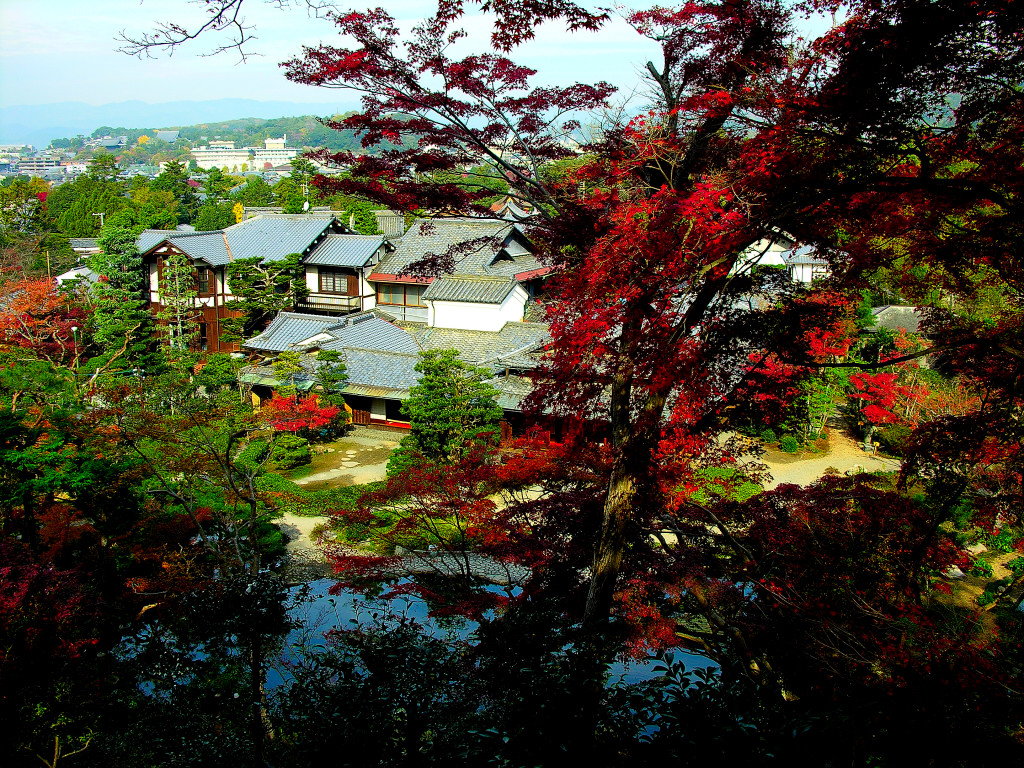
65, 50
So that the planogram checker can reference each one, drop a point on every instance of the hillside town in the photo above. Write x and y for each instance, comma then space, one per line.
500, 422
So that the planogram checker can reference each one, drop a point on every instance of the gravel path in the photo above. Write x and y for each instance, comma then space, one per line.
358, 458
844, 455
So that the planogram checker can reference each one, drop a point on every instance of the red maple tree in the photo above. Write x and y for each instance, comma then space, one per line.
661, 326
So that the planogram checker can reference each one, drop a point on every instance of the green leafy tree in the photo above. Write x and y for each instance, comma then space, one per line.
260, 289
217, 184
123, 324
214, 216
286, 366
104, 167
331, 376
451, 408
158, 208
77, 205
295, 191
255, 192
174, 179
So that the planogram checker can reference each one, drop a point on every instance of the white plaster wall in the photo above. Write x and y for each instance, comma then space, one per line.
222, 281
802, 273
154, 282
367, 289
313, 278
761, 253
477, 317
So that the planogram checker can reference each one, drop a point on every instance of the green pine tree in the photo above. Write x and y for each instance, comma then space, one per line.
450, 409
260, 289
123, 324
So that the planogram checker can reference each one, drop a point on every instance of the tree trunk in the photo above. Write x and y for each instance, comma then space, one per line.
608, 553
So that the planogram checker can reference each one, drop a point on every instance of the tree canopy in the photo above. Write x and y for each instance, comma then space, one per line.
837, 616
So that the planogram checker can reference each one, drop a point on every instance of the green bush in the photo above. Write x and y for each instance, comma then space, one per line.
291, 451
767, 435
789, 444
1002, 541
981, 568
894, 438
992, 592
252, 456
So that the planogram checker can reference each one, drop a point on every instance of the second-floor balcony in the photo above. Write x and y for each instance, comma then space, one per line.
329, 304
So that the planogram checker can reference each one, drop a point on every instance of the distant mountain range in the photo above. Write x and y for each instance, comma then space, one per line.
39, 124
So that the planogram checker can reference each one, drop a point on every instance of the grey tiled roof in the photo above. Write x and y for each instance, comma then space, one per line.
366, 330
287, 329
275, 236
345, 250
804, 254
494, 248
369, 331
271, 237
206, 246
375, 368
512, 342
476, 290
84, 242
381, 357
512, 390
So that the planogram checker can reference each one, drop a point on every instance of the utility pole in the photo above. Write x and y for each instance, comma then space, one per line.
101, 215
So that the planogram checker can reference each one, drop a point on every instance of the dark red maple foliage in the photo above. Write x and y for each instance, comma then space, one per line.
892, 142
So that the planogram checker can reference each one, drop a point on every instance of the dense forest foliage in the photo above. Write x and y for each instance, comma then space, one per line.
862, 618
304, 132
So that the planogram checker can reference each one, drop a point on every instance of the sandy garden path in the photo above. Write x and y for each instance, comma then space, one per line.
358, 458
844, 455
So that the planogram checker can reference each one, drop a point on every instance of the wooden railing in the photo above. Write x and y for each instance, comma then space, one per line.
334, 305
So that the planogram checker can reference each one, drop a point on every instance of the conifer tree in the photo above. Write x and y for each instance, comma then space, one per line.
178, 296
123, 324
451, 408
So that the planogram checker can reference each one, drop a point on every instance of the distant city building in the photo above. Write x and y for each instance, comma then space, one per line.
37, 164
218, 154
169, 136
274, 152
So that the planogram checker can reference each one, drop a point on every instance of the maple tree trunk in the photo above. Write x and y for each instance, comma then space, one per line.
608, 553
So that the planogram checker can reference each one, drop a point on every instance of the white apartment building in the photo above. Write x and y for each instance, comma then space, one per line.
274, 152
219, 154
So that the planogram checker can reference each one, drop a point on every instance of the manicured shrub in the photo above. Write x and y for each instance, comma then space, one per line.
767, 435
894, 438
291, 451
789, 444
252, 456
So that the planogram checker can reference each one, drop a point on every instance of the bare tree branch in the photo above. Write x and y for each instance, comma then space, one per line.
221, 20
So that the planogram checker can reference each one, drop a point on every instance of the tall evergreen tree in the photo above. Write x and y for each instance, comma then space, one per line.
260, 289
450, 409
178, 295
123, 324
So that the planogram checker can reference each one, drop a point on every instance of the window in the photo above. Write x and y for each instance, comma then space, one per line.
203, 281
396, 293
337, 281
414, 295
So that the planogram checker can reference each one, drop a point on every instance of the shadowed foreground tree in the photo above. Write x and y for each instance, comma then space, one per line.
850, 143
822, 605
